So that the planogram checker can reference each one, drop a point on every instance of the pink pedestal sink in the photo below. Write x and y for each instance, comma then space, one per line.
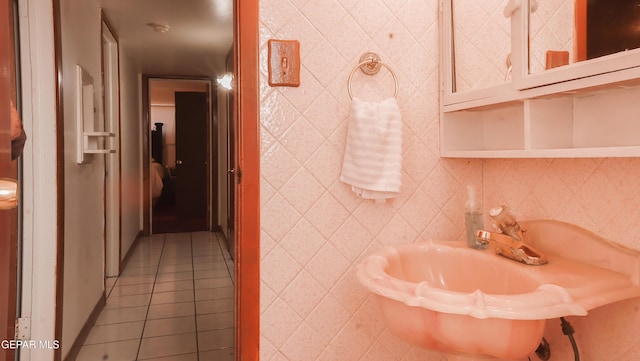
446, 297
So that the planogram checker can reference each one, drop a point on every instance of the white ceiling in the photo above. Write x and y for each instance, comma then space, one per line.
199, 37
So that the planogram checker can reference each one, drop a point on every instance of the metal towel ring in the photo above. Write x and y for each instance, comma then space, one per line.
370, 64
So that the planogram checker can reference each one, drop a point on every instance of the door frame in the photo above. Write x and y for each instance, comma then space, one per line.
247, 261
8, 218
212, 158
230, 162
113, 192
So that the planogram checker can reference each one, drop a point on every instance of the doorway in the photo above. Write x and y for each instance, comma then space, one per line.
247, 211
180, 120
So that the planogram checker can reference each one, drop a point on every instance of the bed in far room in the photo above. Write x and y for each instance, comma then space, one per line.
157, 174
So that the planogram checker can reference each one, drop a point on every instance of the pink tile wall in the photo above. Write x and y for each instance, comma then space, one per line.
482, 43
550, 30
314, 230
602, 195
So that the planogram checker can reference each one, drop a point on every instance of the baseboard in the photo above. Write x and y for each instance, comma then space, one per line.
127, 256
84, 333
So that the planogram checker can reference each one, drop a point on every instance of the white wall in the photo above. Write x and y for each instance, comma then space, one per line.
84, 204
39, 180
83, 199
131, 149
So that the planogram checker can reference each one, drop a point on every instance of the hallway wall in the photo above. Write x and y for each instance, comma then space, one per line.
131, 152
84, 204
39, 202
84, 248
314, 229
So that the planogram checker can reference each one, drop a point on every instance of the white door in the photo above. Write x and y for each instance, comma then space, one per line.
112, 165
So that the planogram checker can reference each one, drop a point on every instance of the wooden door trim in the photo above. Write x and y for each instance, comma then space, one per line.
247, 260
57, 21
9, 218
105, 20
146, 148
146, 135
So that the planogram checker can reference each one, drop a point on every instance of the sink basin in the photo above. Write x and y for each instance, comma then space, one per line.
446, 297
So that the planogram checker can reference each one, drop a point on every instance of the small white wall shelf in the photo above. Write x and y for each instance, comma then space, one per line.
89, 141
597, 122
96, 143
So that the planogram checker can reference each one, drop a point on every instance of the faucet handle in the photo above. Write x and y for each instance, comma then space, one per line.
483, 237
504, 220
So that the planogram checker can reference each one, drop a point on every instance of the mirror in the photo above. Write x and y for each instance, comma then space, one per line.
551, 34
600, 28
481, 44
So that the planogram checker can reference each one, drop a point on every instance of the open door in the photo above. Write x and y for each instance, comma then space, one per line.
231, 164
111, 106
191, 157
231, 178
8, 177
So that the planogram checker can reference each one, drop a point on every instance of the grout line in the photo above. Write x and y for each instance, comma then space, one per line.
225, 258
169, 335
150, 298
171, 356
195, 311
123, 308
105, 325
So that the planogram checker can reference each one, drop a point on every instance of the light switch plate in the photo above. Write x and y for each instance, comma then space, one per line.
284, 62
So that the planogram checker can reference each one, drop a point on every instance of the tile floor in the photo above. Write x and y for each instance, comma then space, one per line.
172, 302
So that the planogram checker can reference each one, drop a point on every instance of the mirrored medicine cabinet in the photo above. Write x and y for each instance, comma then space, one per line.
540, 78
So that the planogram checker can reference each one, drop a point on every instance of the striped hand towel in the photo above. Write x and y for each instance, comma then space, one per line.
373, 154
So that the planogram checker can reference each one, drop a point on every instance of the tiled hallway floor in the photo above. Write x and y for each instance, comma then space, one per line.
173, 302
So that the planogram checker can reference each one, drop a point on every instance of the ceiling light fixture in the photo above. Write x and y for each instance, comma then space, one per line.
158, 28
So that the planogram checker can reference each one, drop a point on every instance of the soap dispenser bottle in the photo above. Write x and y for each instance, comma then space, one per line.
473, 218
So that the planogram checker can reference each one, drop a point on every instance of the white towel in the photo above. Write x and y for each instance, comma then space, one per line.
373, 155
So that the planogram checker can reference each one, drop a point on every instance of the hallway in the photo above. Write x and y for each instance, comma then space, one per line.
172, 302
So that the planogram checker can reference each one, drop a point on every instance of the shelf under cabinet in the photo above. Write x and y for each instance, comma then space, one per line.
588, 124
546, 153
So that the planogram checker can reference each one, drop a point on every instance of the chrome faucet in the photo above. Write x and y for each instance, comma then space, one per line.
509, 238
